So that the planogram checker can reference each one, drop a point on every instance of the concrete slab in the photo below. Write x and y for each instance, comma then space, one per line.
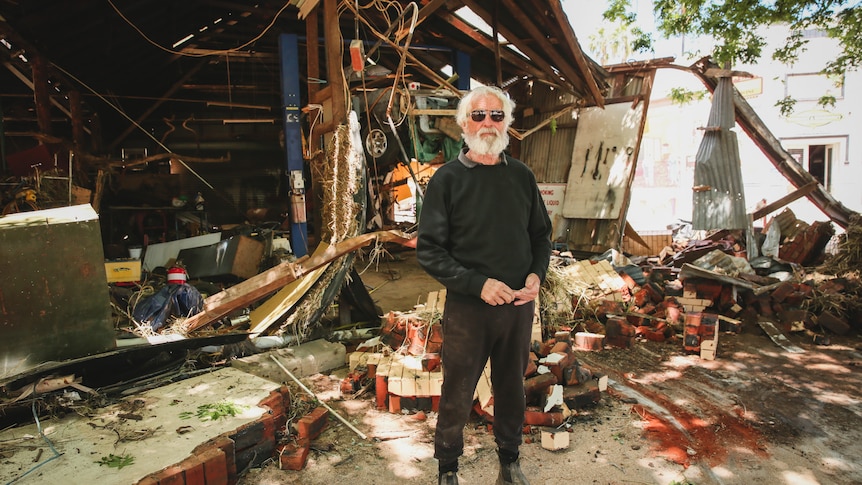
317, 356
150, 427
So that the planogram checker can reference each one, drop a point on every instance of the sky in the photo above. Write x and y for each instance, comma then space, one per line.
586, 19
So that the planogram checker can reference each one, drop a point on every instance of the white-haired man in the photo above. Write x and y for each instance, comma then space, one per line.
484, 233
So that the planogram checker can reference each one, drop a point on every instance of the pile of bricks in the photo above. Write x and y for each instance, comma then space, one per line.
671, 304
401, 382
294, 454
807, 246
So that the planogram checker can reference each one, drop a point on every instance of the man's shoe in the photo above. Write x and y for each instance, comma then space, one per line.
448, 478
510, 474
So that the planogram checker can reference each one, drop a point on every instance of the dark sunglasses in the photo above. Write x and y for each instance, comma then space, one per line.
478, 115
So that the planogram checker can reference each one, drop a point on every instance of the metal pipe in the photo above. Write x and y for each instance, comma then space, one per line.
328, 408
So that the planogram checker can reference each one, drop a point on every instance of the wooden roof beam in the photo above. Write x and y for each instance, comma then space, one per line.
488, 43
569, 75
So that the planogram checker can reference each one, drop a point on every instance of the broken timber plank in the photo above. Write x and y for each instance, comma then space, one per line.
773, 206
278, 305
244, 293
779, 338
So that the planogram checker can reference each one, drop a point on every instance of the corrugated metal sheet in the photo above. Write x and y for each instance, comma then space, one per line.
718, 199
549, 152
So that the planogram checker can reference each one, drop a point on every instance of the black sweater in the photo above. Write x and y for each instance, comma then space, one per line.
480, 221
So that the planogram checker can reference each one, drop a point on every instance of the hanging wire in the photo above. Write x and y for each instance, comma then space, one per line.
205, 54
56, 453
127, 117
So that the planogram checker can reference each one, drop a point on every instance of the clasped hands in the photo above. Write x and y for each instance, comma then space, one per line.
495, 292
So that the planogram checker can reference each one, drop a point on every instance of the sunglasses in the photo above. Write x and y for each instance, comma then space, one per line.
479, 115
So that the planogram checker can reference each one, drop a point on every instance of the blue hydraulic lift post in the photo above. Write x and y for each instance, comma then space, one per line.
288, 47
462, 67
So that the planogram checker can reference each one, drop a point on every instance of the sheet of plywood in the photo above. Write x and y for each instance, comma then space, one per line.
279, 304
602, 161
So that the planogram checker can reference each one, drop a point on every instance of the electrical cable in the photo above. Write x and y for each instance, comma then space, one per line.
127, 117
209, 53
57, 454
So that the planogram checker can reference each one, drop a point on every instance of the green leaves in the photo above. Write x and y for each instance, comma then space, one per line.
213, 412
116, 461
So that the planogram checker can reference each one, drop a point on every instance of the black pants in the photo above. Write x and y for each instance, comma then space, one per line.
473, 332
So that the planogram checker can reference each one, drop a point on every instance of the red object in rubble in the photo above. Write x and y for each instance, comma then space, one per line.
177, 275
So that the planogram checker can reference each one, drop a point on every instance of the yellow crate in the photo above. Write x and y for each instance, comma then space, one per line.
123, 270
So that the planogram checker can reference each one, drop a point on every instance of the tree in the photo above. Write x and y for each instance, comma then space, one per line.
736, 27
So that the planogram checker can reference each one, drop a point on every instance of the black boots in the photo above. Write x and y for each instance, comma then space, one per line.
448, 478
510, 474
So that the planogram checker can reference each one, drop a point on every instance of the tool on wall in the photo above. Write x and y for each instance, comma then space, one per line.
614, 149
596, 174
586, 162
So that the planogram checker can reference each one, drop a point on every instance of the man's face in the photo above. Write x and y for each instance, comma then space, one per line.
486, 136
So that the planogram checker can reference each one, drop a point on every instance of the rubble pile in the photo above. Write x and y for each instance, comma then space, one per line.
710, 280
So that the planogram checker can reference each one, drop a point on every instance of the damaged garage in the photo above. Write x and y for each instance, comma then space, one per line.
209, 272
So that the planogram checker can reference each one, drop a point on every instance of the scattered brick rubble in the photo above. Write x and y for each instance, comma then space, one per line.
688, 296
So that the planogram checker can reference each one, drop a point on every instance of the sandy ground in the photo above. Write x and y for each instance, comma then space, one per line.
755, 415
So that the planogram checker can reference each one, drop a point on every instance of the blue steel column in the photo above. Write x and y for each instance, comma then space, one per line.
462, 67
288, 47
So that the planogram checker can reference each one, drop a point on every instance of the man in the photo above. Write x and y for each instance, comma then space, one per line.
484, 233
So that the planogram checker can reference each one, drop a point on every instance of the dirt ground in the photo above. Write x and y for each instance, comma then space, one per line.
755, 415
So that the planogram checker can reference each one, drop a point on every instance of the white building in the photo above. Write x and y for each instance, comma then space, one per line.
820, 138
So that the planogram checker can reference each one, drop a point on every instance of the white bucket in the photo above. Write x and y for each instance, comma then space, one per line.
135, 253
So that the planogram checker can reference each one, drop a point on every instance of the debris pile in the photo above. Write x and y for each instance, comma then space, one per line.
702, 285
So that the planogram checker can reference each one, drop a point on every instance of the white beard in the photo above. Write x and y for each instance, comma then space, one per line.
487, 145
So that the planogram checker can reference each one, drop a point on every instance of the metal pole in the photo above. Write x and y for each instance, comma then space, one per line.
328, 408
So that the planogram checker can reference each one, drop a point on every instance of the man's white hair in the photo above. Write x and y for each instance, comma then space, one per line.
465, 106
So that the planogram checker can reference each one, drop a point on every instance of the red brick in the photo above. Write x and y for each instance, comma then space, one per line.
561, 347
278, 401
193, 471
691, 337
539, 383
628, 280
655, 335
708, 289
227, 447
618, 326
556, 368
589, 341
292, 456
394, 404
381, 390
763, 305
254, 456
534, 417
637, 319
641, 297
148, 480
607, 308
545, 347
727, 298
577, 397
252, 433
656, 294
620, 341
215, 467
672, 313
171, 475
430, 362
576, 374
312, 424
782, 292
834, 323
